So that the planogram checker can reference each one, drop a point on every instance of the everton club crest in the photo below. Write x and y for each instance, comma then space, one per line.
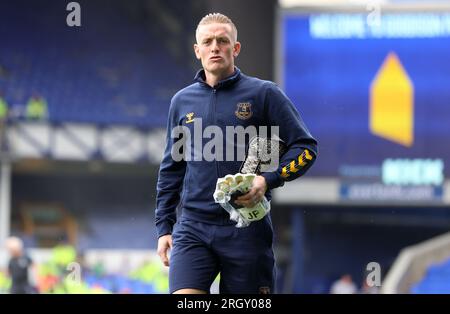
244, 110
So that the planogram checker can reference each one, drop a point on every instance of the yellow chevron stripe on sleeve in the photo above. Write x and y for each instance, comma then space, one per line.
293, 167
308, 155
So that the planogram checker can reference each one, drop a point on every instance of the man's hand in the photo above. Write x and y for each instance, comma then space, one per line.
255, 195
164, 244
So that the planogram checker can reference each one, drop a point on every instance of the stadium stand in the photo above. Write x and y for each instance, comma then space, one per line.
48, 224
421, 268
435, 280
110, 71
123, 220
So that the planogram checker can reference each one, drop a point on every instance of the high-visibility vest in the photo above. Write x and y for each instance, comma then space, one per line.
3, 108
36, 109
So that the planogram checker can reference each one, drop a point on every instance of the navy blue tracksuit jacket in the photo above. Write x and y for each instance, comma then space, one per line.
190, 184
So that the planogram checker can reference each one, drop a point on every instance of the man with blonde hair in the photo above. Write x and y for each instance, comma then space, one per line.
204, 240
18, 266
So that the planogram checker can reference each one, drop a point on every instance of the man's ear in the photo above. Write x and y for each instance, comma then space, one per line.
236, 49
197, 51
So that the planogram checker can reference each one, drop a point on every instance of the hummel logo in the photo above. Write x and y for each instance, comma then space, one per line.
190, 117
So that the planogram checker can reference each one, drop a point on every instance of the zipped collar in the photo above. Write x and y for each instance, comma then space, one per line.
233, 78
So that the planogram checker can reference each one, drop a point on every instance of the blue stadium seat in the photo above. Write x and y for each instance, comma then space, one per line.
436, 280
104, 73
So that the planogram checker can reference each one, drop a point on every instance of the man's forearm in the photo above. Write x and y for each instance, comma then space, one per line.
166, 204
293, 165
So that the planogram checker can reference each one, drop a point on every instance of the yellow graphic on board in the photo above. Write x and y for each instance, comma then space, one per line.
391, 112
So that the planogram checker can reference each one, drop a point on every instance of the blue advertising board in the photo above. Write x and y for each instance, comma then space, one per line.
376, 94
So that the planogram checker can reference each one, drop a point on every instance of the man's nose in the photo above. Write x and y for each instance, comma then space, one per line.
214, 46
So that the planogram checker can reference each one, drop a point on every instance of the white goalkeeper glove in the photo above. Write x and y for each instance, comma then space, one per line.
232, 186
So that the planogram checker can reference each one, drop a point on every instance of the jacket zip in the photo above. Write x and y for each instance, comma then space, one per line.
213, 107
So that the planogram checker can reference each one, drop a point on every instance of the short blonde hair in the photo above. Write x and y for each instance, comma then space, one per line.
217, 18
14, 244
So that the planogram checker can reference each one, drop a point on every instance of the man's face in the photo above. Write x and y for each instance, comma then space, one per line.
216, 48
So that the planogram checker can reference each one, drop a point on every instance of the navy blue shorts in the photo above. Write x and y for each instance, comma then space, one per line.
243, 256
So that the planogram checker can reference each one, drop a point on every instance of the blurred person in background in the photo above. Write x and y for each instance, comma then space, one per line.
36, 108
344, 285
19, 267
204, 240
368, 289
3, 107
3, 117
